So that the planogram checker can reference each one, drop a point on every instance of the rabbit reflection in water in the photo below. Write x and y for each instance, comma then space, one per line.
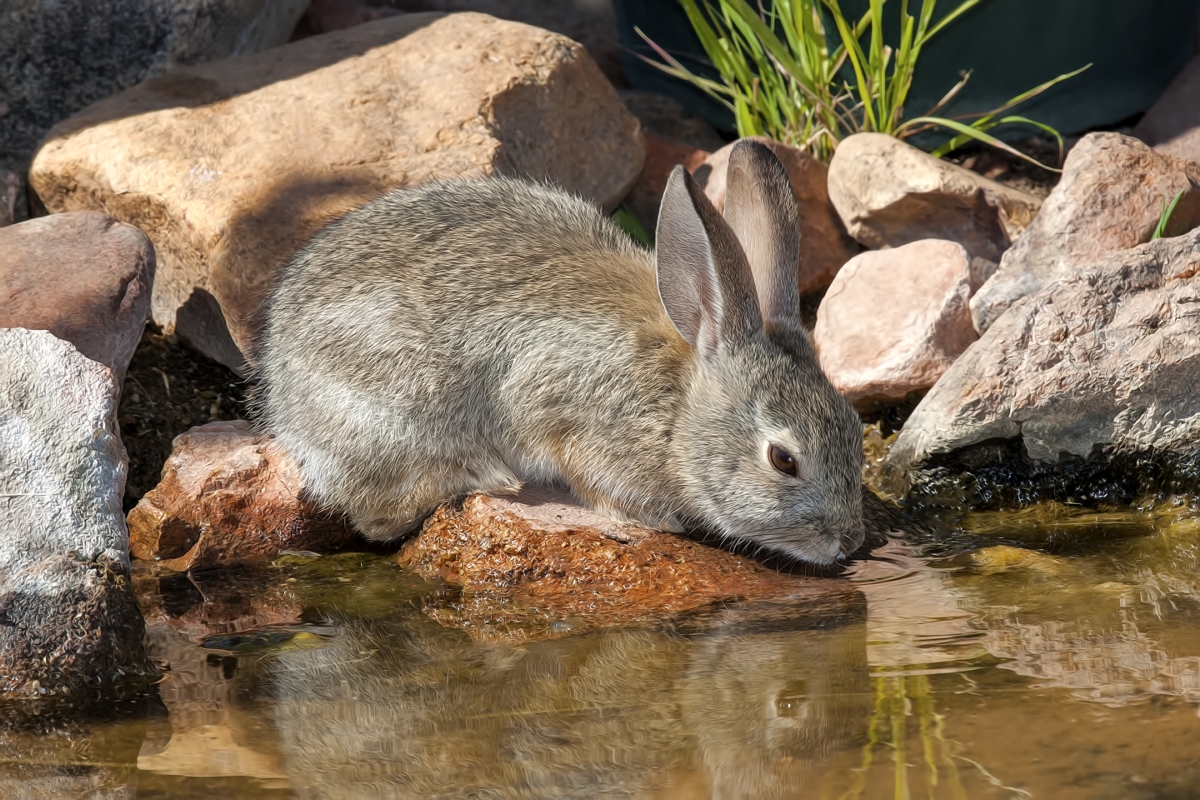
469, 336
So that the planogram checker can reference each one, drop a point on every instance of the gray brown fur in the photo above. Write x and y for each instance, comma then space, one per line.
470, 336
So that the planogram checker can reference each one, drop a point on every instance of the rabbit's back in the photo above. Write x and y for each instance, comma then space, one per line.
460, 322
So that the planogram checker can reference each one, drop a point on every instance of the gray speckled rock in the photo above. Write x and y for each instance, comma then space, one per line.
1110, 197
60, 56
1108, 357
70, 620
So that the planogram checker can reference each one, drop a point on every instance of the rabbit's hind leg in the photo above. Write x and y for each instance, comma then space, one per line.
390, 518
384, 519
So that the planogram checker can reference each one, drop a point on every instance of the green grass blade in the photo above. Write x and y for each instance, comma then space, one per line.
977, 135
630, 224
946, 20
1165, 216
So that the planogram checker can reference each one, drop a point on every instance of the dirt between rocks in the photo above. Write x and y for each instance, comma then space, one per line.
168, 389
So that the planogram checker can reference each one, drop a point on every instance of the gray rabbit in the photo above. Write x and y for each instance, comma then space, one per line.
469, 336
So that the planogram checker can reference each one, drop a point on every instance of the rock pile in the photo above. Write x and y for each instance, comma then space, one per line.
1054, 330
231, 166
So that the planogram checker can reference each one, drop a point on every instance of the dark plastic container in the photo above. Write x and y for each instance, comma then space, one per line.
1135, 46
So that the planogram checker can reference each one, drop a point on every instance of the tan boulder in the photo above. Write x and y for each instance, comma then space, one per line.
889, 193
1111, 195
592, 23
231, 166
538, 566
824, 244
228, 497
82, 276
894, 321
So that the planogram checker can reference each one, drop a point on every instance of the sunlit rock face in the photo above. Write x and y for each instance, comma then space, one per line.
894, 320
889, 193
233, 165
1112, 192
70, 622
1097, 369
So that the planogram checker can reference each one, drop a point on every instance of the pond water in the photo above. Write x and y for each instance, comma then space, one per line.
1047, 653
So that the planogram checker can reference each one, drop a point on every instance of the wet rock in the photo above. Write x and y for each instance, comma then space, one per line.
1172, 125
82, 276
662, 156
228, 496
70, 621
824, 244
893, 321
10, 192
1099, 365
61, 56
232, 166
213, 602
540, 566
1109, 199
592, 23
889, 193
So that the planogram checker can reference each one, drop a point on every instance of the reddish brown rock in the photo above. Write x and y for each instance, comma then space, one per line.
1110, 198
662, 156
1172, 125
889, 193
539, 566
227, 497
824, 244
231, 166
82, 276
894, 321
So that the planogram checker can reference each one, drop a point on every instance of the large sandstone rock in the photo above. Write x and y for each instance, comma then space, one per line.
231, 166
228, 497
592, 23
61, 56
1101, 363
1110, 198
824, 243
889, 193
70, 620
1172, 125
893, 321
82, 276
539, 565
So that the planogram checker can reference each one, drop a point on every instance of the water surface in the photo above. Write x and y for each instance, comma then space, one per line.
1049, 653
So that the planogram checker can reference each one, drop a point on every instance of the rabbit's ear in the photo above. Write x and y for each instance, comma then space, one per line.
703, 278
761, 209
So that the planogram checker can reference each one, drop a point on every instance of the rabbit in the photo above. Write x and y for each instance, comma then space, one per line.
469, 336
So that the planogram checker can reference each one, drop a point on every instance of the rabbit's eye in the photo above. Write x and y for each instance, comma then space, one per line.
782, 460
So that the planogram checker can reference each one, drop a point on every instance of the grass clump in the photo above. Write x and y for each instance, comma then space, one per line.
781, 77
